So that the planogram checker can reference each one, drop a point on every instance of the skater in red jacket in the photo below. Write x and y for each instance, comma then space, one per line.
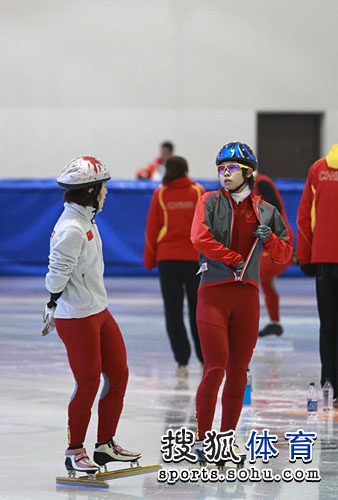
317, 249
169, 247
227, 226
155, 169
268, 269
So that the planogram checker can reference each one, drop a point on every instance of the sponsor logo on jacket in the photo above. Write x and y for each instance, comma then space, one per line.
325, 175
180, 205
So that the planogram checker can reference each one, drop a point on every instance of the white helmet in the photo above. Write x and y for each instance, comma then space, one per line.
83, 172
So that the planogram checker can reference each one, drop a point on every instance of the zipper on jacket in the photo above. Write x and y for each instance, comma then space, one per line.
232, 221
240, 277
84, 280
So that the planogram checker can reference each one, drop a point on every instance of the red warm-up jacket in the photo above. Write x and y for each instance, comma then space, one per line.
148, 172
169, 222
212, 235
317, 212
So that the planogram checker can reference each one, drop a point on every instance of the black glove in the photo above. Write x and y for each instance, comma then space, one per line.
238, 268
308, 269
263, 232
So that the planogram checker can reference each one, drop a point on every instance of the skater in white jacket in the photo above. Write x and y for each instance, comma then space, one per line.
78, 310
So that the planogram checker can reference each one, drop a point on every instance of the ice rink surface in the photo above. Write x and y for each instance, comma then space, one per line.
36, 383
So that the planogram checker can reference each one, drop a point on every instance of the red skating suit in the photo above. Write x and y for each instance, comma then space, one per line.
228, 302
269, 269
169, 221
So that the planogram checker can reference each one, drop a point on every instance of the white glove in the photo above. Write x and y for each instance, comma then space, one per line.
48, 319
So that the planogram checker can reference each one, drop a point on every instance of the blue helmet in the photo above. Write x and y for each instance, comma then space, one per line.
237, 151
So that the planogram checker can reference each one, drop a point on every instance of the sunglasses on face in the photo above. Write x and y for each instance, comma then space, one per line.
230, 167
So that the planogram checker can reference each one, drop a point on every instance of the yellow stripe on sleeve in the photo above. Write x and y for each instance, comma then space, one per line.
164, 228
198, 190
313, 209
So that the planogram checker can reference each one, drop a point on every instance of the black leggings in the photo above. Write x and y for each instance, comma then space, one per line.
177, 276
327, 300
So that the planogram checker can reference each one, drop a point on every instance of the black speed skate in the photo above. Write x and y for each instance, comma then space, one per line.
220, 464
224, 464
271, 329
112, 452
201, 456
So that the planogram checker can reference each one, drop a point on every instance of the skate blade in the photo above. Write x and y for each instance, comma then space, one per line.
130, 471
81, 482
99, 479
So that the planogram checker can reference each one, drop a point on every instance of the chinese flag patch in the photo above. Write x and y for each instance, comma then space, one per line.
250, 217
90, 235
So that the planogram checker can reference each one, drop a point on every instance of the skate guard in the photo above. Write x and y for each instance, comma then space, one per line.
99, 480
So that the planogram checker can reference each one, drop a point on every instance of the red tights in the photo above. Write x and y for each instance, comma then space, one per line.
227, 318
268, 270
94, 345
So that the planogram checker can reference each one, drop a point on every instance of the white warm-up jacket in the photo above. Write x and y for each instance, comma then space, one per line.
76, 264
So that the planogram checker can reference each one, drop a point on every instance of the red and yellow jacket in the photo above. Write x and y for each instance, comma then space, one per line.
169, 222
317, 212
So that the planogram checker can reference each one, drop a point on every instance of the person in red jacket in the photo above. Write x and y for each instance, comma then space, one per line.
169, 247
155, 169
226, 229
268, 269
317, 249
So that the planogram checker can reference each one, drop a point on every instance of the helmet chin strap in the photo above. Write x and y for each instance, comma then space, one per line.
93, 216
95, 206
95, 209
237, 188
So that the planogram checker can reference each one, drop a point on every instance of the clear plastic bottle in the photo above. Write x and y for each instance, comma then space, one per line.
248, 388
327, 396
312, 402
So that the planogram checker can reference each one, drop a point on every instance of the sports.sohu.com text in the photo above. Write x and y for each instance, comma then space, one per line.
251, 474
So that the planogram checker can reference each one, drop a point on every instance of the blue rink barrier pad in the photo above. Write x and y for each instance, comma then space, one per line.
30, 208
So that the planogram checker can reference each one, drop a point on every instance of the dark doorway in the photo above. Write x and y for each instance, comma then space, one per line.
288, 143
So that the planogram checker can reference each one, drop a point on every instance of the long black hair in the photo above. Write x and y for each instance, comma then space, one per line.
83, 196
175, 168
